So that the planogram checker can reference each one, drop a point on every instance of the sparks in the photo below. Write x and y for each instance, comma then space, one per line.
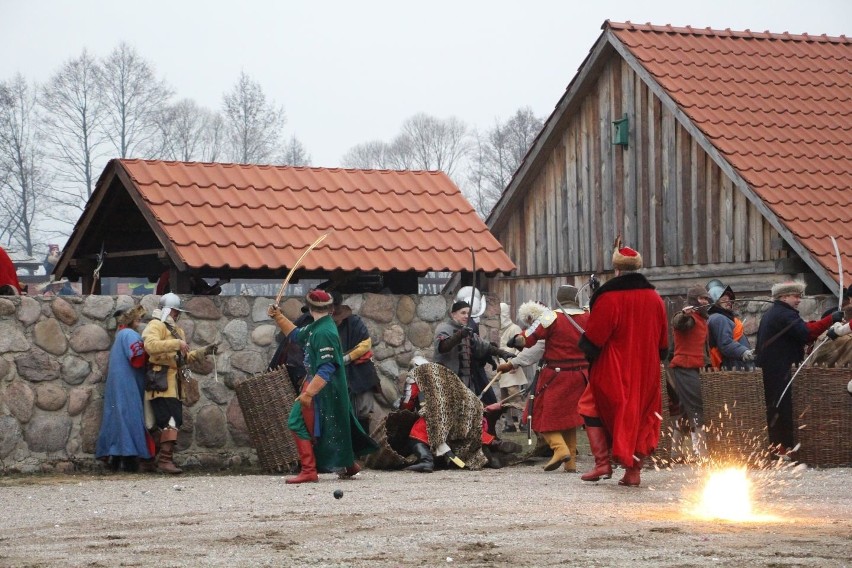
727, 496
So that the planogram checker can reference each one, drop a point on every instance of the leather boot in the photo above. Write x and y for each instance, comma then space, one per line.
560, 450
425, 462
308, 473
349, 472
600, 450
570, 437
631, 474
165, 462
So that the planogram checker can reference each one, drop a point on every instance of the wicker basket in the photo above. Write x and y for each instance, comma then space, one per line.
266, 400
735, 413
822, 413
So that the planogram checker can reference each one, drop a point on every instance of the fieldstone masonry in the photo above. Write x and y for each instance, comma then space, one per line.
54, 354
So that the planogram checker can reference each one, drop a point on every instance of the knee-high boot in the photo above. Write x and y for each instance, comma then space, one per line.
560, 450
600, 450
570, 437
425, 462
307, 458
308, 473
165, 461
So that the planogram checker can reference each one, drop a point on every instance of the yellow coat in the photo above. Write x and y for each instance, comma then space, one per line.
162, 349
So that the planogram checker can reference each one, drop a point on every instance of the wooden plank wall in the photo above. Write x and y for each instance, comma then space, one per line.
662, 193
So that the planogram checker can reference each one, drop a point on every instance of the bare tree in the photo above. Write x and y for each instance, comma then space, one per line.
133, 99
294, 153
215, 134
71, 124
497, 156
373, 155
188, 132
433, 143
21, 160
253, 124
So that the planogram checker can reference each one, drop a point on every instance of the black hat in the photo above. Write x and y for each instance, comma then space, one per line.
461, 304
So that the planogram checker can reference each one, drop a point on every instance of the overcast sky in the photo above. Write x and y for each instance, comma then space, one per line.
352, 71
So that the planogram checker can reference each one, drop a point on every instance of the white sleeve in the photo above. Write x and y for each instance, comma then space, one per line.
529, 356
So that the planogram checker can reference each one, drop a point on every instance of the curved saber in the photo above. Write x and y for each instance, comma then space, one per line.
295, 266
839, 273
811, 354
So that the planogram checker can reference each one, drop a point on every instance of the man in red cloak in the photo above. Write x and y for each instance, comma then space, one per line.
9, 284
626, 337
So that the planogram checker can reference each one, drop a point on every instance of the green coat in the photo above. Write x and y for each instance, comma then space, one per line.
340, 437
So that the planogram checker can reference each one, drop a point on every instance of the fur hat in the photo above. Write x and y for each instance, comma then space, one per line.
696, 292
790, 287
319, 299
124, 318
460, 305
625, 258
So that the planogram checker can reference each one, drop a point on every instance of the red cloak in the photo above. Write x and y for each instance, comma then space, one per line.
7, 272
626, 332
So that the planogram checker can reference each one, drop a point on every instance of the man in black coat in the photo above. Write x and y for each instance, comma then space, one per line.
781, 340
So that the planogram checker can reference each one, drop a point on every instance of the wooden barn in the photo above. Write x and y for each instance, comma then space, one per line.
716, 154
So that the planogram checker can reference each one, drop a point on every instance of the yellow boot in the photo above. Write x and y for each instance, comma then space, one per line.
570, 437
560, 450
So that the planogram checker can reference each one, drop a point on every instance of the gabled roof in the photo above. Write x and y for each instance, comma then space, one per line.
773, 110
253, 217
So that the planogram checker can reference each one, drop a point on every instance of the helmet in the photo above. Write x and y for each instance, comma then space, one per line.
713, 283
478, 306
719, 290
168, 303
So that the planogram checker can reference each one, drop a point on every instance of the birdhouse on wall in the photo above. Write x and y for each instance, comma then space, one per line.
622, 131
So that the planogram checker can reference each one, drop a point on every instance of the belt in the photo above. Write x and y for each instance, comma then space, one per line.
556, 366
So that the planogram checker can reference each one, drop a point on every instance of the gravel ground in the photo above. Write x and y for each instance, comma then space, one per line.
516, 516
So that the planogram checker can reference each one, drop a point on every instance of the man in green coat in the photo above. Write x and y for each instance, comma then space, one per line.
324, 426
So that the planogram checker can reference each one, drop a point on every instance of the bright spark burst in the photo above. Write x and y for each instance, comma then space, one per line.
727, 495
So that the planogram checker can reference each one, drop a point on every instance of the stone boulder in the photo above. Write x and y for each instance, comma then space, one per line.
406, 309
210, 427
64, 312
47, 432
75, 370
10, 433
29, 311
90, 425
378, 307
432, 308
89, 337
237, 423
49, 336
98, 308
49, 396
203, 308
19, 399
12, 338
37, 366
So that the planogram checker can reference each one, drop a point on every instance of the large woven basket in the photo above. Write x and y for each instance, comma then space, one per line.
266, 400
822, 413
735, 413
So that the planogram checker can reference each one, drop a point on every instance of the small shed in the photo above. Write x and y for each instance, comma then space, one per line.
254, 222
716, 154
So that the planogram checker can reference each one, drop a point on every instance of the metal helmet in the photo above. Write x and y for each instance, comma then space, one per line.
713, 283
478, 306
718, 291
168, 303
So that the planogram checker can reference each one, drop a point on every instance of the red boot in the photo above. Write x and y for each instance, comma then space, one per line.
308, 474
631, 476
600, 450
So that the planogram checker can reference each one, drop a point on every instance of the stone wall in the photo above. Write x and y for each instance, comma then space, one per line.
54, 354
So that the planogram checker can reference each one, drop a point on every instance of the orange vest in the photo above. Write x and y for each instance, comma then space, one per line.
716, 354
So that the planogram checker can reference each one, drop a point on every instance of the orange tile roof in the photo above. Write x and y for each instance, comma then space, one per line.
251, 216
778, 107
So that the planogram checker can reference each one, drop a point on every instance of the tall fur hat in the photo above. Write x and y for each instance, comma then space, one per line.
625, 258
787, 288
319, 299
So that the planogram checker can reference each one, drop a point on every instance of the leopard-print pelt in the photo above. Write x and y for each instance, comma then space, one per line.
453, 413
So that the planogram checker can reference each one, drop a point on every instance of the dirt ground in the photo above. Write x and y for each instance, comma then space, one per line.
516, 516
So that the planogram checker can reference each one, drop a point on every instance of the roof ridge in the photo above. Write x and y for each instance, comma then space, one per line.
727, 32
273, 166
